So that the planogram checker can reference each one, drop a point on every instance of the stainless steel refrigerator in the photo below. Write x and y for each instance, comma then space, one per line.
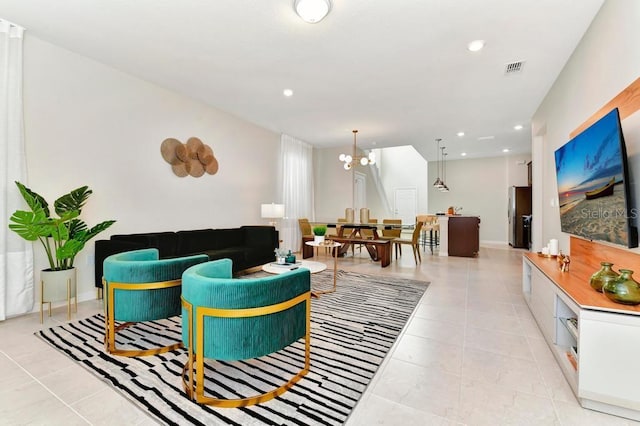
518, 211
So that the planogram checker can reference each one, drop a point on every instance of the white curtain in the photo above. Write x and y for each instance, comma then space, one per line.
297, 188
16, 255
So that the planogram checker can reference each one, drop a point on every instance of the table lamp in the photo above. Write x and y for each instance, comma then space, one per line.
272, 211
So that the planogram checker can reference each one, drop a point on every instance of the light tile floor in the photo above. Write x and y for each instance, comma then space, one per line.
470, 354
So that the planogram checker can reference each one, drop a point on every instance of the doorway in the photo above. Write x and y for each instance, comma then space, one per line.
405, 202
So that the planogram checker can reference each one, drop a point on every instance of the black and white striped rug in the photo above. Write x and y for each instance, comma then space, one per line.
351, 332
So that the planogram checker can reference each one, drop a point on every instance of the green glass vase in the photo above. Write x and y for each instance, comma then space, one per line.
623, 290
603, 276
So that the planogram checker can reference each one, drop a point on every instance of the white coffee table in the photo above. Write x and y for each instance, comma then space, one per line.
312, 266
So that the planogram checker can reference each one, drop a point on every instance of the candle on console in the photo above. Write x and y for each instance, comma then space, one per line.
553, 247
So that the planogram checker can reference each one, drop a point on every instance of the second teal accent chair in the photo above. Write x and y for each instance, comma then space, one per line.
141, 287
231, 319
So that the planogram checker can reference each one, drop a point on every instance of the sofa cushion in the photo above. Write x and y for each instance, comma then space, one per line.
260, 236
229, 238
258, 256
236, 254
165, 242
196, 241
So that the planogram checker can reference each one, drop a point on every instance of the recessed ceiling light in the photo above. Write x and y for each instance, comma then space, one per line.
505, 150
463, 154
461, 134
518, 127
475, 45
287, 92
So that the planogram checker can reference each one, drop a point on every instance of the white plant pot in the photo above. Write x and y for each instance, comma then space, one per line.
318, 239
54, 284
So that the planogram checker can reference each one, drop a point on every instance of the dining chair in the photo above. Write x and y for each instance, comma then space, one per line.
393, 233
414, 242
305, 227
423, 233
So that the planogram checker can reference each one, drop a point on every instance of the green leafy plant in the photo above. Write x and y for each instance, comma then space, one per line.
62, 237
319, 230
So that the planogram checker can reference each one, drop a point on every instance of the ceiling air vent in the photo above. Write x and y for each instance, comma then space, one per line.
513, 67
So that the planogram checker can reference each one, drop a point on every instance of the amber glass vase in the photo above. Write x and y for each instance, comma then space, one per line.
623, 290
603, 276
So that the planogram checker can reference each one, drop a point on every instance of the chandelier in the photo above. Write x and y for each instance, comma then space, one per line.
362, 159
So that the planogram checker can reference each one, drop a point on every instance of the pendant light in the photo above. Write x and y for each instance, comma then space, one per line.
444, 187
438, 183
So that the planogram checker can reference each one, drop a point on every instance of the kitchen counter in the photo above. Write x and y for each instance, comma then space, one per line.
459, 235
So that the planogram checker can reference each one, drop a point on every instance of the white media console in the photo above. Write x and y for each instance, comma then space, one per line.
595, 341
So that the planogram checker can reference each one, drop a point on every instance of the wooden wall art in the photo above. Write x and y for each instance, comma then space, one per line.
192, 158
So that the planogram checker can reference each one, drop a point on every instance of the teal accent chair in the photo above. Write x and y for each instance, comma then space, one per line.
141, 287
235, 319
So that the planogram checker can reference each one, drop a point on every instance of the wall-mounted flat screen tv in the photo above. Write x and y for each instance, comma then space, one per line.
593, 184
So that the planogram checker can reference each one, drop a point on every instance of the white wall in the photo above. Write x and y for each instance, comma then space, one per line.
480, 187
87, 124
333, 184
604, 63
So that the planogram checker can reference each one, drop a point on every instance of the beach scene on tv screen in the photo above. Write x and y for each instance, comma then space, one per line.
591, 189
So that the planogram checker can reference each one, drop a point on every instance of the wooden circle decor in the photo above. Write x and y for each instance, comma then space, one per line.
168, 150
192, 158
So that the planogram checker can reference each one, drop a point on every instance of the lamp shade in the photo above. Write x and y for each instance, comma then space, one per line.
272, 211
312, 11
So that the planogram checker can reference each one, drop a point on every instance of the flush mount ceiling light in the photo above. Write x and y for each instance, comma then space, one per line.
312, 11
475, 45
287, 92
517, 127
460, 134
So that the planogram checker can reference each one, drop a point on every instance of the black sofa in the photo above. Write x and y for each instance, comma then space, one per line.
247, 246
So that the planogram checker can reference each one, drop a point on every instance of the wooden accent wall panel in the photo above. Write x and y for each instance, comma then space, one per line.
586, 257
627, 102
585, 260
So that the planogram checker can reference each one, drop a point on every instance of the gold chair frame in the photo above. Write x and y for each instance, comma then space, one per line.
110, 328
197, 394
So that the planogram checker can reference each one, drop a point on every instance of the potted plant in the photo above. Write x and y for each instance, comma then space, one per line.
319, 232
62, 237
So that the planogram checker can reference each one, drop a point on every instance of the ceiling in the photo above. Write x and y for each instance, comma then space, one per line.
398, 71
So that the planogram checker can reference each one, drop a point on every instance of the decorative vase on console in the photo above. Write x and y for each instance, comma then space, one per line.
623, 290
603, 276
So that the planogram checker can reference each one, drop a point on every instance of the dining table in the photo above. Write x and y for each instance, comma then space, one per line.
350, 234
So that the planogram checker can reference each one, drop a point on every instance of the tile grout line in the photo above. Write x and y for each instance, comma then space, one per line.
464, 342
45, 387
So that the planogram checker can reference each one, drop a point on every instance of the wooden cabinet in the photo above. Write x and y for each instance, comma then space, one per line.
464, 236
595, 342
